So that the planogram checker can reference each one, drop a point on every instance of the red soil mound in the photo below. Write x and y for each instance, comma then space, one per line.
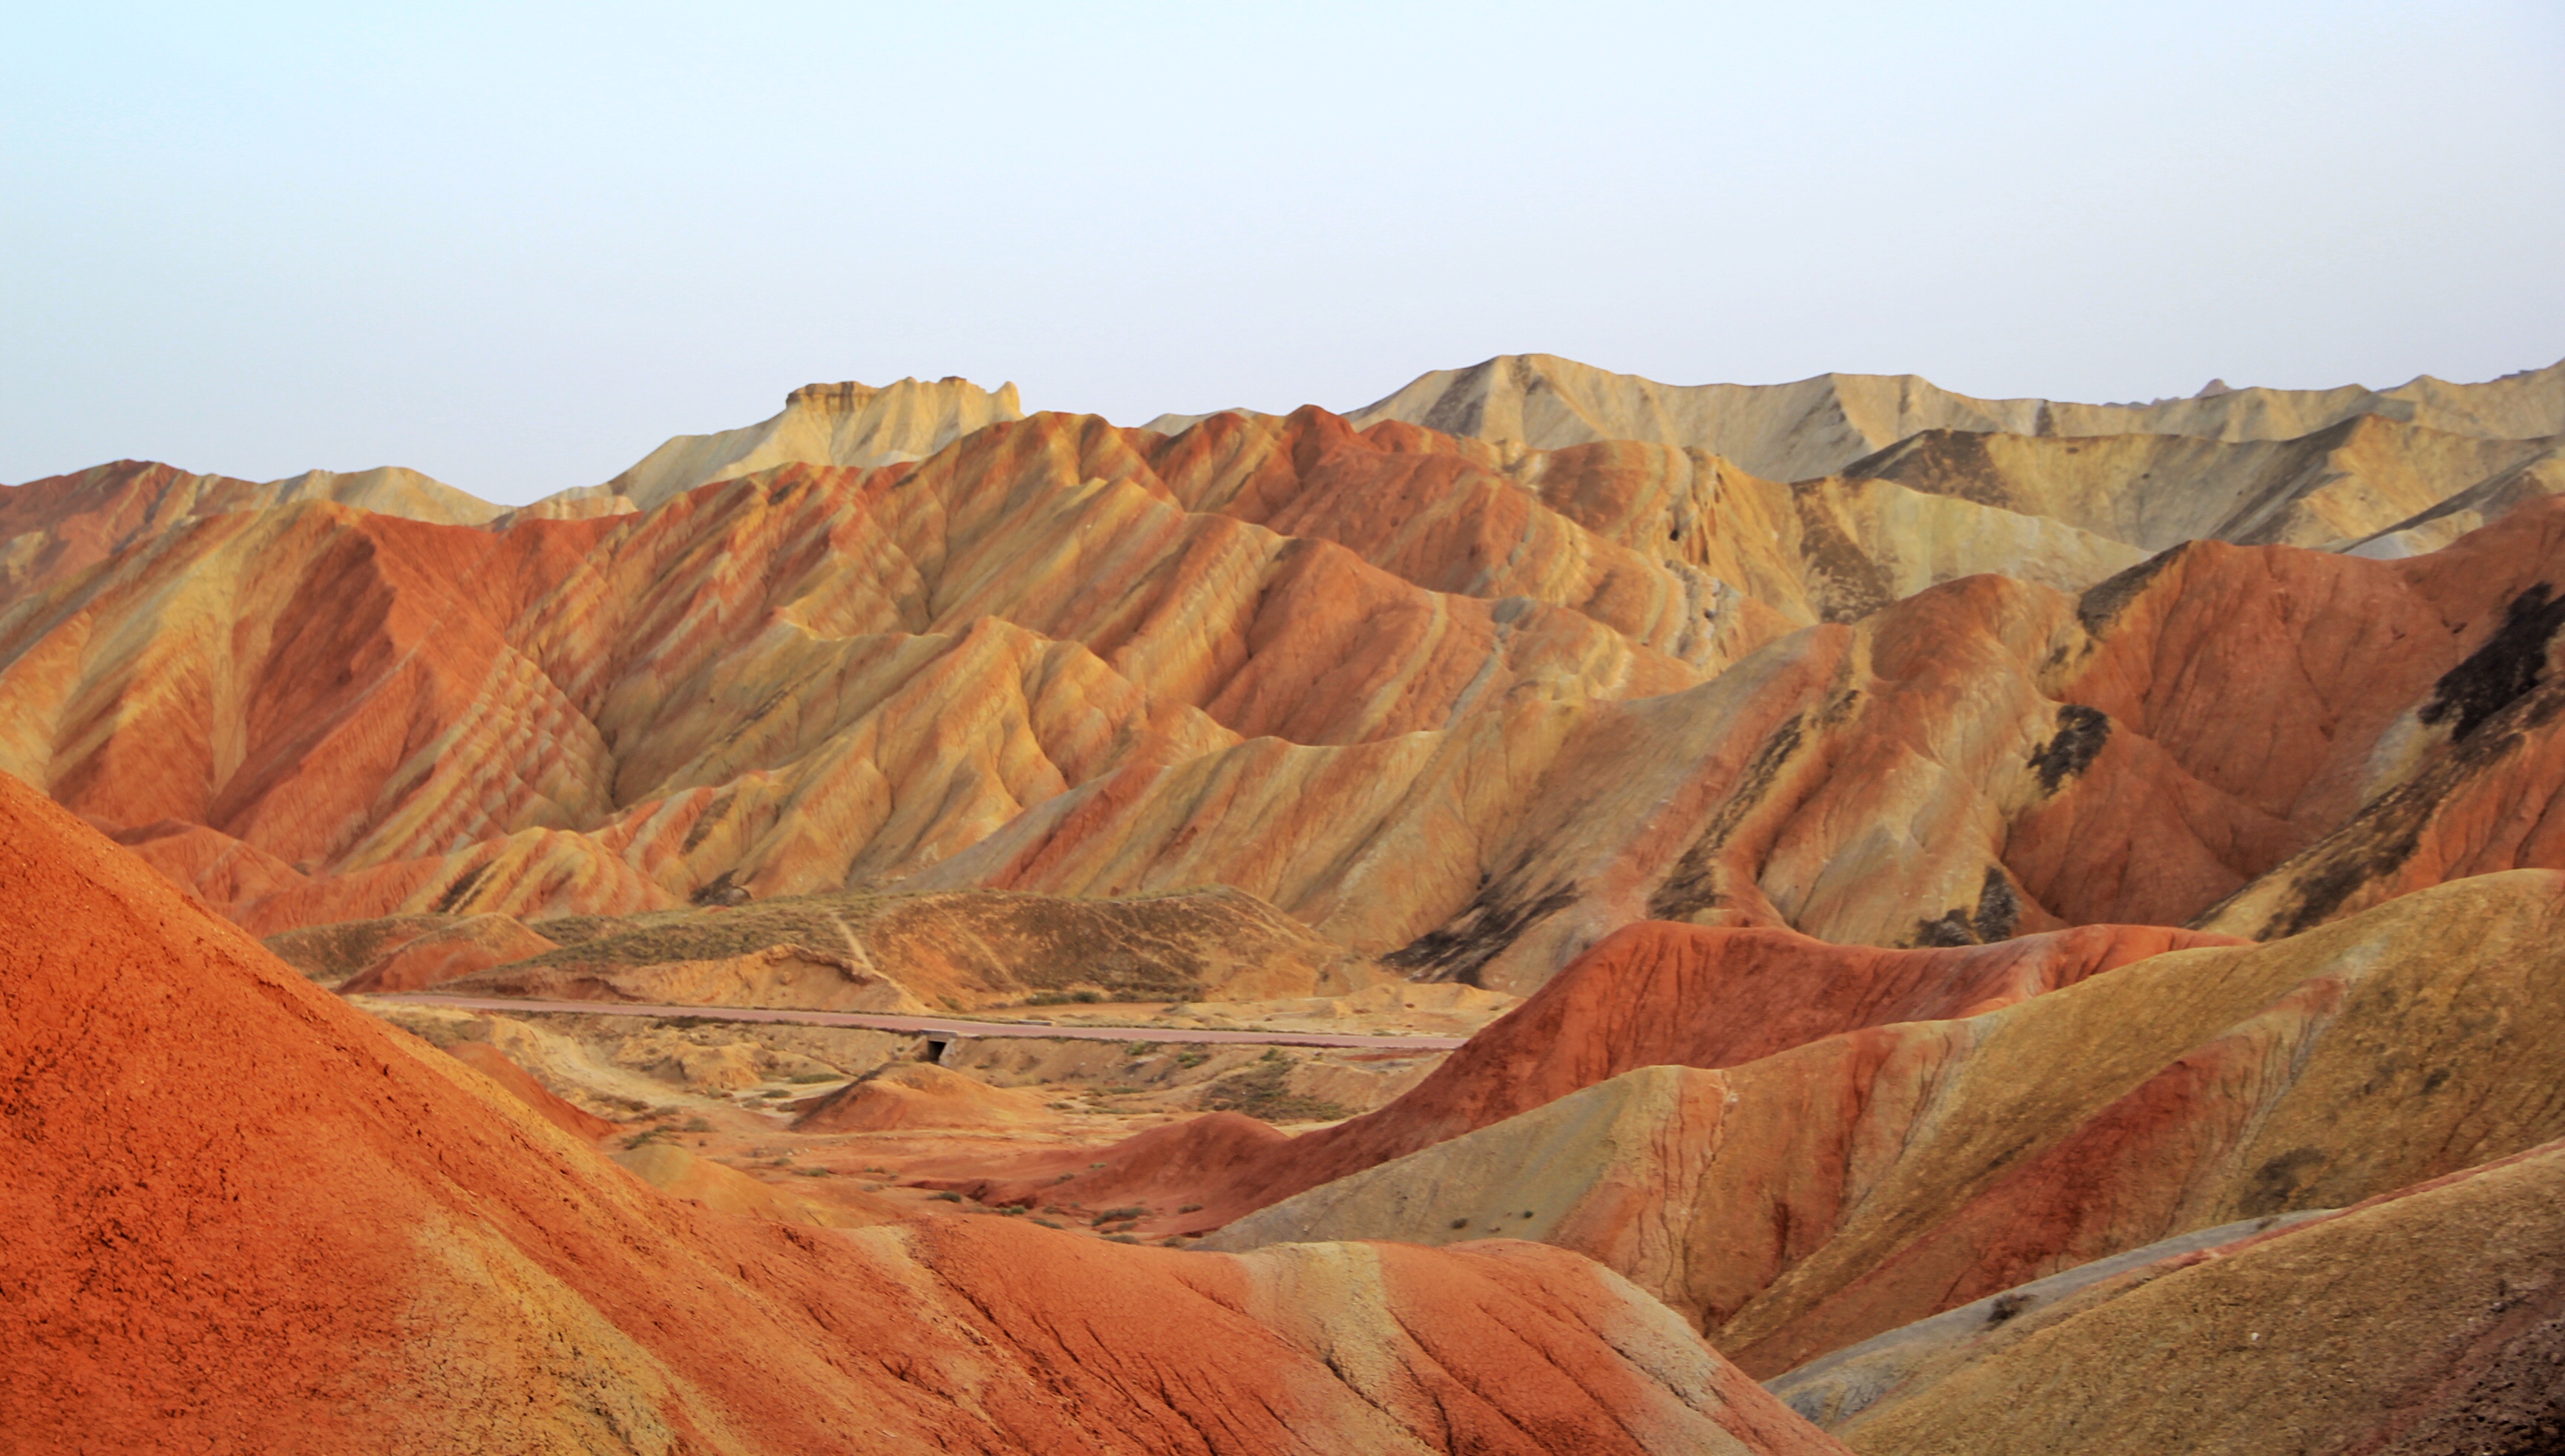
218, 868
492, 1063
475, 944
1651, 995
908, 1095
2256, 698
245, 1216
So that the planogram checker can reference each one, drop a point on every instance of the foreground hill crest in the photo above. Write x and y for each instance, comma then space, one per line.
322, 1235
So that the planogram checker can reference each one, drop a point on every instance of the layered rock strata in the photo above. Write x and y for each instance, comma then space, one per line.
247, 1215
1461, 705
1827, 1194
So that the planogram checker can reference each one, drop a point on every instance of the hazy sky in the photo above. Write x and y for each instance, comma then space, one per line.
518, 245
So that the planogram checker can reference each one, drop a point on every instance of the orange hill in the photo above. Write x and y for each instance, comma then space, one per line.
1826, 1194
246, 1216
1453, 702
1651, 995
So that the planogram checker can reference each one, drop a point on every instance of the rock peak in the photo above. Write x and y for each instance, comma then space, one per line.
849, 424
848, 395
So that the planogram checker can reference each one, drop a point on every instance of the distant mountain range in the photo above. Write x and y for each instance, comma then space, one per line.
1864, 657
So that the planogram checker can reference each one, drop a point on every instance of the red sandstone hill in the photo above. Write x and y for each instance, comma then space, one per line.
1454, 703
245, 1216
66, 524
2075, 1191
1651, 995
1823, 1196
1837, 828
2252, 738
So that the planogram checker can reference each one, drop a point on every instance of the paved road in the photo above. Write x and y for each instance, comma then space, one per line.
933, 1026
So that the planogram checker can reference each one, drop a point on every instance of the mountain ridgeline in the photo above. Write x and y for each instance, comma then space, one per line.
1550, 898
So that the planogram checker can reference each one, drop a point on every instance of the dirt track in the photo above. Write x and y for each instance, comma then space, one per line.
930, 1025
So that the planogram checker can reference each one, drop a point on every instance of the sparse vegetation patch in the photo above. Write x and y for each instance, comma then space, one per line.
1264, 1092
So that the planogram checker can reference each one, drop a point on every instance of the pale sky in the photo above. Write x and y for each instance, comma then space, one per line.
516, 246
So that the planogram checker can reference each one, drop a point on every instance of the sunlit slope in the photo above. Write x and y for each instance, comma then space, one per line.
1826, 1194
2425, 1320
822, 676
246, 1215
820, 425
1462, 705
1983, 759
1818, 427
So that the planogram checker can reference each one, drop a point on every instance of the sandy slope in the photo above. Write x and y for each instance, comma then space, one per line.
246, 1215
